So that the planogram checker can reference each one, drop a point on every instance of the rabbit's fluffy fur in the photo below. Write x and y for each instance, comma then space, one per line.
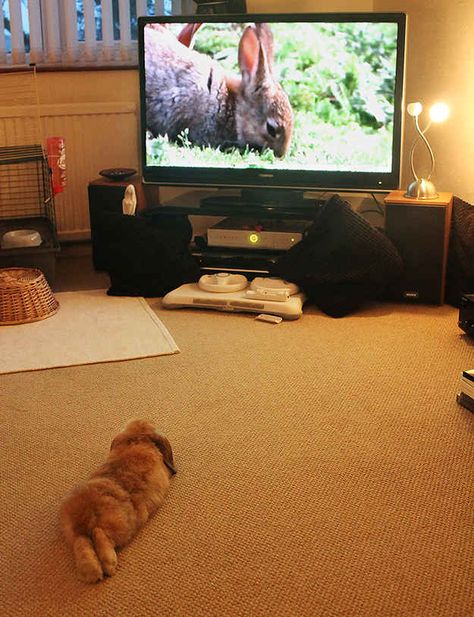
189, 90
105, 511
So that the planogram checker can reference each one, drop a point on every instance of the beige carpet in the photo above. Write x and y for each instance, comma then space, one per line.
324, 470
89, 327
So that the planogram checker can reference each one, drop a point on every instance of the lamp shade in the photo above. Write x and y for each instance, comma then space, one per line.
439, 112
414, 109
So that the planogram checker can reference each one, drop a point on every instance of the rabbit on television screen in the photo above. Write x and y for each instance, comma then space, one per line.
186, 89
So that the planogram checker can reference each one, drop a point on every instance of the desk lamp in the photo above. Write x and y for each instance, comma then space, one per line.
423, 188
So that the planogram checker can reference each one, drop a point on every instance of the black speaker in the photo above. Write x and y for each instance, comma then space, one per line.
103, 196
420, 231
106, 196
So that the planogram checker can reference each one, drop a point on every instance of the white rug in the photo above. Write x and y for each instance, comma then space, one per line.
89, 327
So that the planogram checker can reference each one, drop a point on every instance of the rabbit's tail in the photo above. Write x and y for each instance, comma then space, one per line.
94, 559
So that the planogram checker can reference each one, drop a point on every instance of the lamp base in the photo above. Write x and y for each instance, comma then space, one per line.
421, 189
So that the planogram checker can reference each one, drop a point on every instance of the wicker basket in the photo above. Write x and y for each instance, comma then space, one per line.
25, 296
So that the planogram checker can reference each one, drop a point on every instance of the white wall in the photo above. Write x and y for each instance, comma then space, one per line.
440, 66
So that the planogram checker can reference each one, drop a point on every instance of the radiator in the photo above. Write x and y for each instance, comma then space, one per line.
97, 136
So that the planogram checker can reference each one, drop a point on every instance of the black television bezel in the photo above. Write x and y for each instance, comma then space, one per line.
285, 179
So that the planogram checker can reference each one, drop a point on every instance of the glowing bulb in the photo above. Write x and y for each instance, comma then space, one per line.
254, 238
439, 112
414, 109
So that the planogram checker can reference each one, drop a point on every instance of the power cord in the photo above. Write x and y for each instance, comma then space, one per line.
378, 209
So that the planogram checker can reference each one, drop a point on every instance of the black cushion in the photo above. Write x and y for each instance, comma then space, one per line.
146, 256
460, 271
342, 262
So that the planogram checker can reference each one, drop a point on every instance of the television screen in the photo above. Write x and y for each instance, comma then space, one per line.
294, 100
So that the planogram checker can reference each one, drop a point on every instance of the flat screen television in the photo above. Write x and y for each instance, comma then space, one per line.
302, 102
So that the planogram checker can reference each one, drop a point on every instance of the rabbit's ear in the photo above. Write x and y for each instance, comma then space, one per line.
265, 38
249, 52
164, 446
187, 33
253, 58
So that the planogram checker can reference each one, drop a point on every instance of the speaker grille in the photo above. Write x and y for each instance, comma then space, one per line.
418, 231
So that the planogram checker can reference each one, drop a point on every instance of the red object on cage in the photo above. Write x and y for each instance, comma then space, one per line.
57, 163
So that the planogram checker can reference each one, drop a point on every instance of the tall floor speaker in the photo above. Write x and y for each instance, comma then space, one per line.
420, 231
106, 196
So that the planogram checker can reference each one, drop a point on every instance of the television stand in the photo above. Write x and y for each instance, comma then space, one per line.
266, 199
245, 203
255, 226
198, 204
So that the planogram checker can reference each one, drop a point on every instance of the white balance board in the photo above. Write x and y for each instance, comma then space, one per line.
192, 295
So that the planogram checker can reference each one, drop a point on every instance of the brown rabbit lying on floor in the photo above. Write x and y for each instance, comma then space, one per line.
105, 511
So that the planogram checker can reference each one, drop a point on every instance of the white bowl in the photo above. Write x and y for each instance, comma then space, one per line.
20, 238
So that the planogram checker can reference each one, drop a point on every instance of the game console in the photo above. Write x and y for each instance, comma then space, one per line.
224, 291
258, 234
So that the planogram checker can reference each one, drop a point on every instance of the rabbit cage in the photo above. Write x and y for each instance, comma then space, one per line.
28, 235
